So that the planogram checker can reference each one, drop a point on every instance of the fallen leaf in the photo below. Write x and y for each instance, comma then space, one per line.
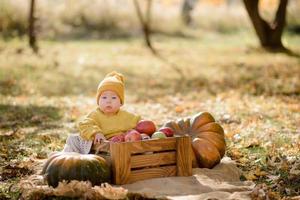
295, 170
251, 176
259, 172
179, 109
253, 143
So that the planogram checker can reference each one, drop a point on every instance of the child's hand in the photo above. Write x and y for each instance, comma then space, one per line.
99, 138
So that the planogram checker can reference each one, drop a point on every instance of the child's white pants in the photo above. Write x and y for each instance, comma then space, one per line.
75, 143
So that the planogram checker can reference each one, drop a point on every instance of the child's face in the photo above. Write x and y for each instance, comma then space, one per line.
109, 102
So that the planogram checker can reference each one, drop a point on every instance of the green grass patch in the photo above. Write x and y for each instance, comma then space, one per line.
22, 116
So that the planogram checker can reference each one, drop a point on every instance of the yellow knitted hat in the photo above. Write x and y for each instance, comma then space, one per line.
113, 81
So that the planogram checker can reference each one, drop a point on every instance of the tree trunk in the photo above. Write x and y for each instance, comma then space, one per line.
186, 9
31, 28
269, 34
145, 23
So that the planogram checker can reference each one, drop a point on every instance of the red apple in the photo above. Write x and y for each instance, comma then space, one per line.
118, 138
132, 135
167, 131
146, 126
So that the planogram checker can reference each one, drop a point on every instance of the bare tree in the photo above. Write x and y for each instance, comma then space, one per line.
31, 27
145, 22
186, 9
269, 34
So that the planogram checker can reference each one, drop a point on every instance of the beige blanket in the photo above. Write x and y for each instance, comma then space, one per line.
221, 182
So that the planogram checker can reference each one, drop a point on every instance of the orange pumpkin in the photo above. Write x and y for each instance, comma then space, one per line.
208, 142
206, 154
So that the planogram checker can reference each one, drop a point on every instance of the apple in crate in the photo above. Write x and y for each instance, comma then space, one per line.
146, 126
167, 131
145, 136
158, 135
132, 135
118, 138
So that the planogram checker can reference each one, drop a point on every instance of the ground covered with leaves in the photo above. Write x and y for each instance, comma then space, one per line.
252, 93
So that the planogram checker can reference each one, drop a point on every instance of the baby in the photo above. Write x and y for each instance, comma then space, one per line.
107, 120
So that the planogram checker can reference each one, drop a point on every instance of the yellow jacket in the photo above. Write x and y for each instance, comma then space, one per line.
97, 122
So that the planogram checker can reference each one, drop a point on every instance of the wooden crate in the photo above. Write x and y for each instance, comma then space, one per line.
134, 161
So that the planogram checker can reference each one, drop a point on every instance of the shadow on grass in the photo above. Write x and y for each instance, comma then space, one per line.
292, 53
118, 35
286, 51
294, 29
23, 116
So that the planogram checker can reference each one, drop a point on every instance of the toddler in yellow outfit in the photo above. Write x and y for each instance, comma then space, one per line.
107, 120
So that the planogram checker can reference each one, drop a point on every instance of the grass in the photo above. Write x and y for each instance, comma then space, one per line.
254, 94
117, 19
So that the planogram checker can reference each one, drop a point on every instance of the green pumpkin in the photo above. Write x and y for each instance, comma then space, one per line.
73, 166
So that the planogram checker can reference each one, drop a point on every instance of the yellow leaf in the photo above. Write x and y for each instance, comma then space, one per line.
250, 176
258, 172
284, 166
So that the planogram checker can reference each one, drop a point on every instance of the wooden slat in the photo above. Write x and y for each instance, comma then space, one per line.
153, 145
147, 160
184, 159
120, 157
193, 157
142, 174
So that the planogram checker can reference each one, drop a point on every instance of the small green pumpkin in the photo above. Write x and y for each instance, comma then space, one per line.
73, 166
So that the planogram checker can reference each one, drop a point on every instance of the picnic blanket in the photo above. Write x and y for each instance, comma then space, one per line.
221, 182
